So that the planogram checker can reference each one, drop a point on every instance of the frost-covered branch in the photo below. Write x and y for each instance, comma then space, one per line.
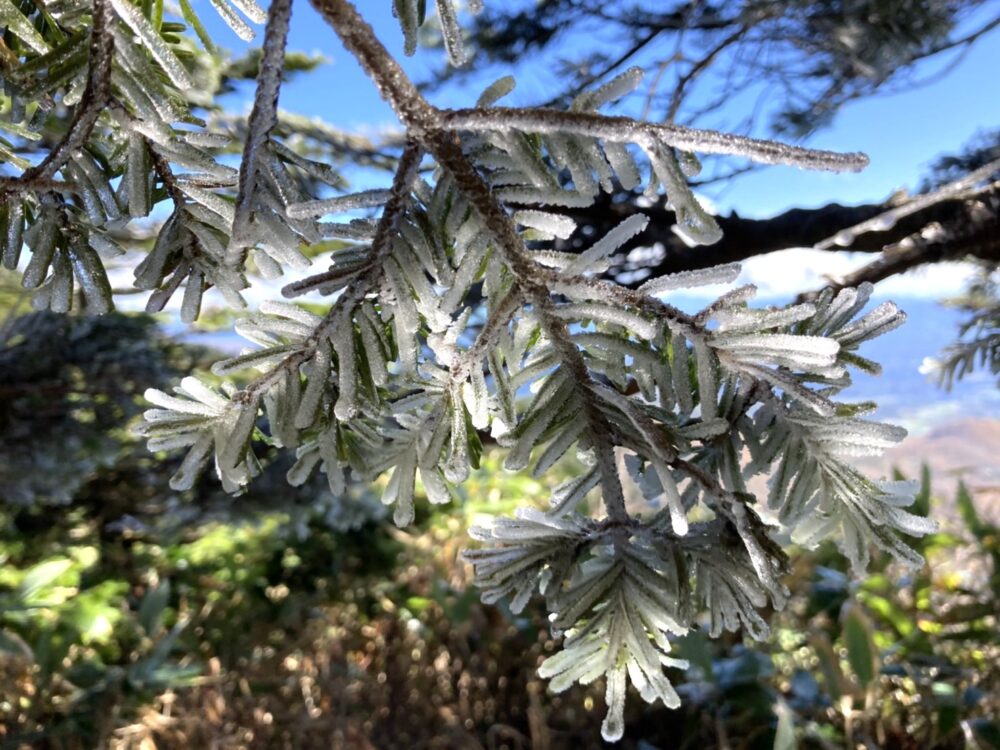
628, 130
340, 312
263, 116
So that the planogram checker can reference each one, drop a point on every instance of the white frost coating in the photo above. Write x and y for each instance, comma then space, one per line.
613, 726
808, 353
21, 27
616, 88
364, 199
496, 91
193, 387
678, 518
456, 466
545, 197
434, 486
280, 242
137, 177
694, 224
606, 314
205, 138
407, 11
724, 274
251, 10
625, 130
888, 219
737, 319
212, 201
565, 152
708, 385
105, 247
881, 320
609, 243
191, 304
233, 21
319, 370
347, 371
552, 224
623, 164
190, 468
100, 184
288, 310
172, 66
451, 32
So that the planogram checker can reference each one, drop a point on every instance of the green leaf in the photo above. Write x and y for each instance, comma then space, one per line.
42, 576
885, 607
153, 605
830, 666
784, 737
967, 509
861, 652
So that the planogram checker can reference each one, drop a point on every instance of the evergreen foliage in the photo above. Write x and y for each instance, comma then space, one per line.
454, 317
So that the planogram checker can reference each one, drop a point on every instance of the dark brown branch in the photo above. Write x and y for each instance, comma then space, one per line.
627, 130
972, 229
161, 166
741, 238
389, 78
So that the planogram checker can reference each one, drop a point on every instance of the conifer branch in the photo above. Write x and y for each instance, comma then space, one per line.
637, 385
263, 116
339, 314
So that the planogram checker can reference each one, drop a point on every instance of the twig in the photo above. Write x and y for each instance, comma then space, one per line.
625, 129
696, 69
263, 117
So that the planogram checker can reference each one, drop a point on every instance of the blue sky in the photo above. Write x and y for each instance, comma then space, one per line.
902, 133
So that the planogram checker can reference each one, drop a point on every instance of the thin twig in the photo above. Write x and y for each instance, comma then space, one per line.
263, 117
696, 69
625, 129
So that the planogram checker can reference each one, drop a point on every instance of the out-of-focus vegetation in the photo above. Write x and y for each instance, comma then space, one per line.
135, 617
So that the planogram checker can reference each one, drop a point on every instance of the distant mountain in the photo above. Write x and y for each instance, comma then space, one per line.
965, 449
